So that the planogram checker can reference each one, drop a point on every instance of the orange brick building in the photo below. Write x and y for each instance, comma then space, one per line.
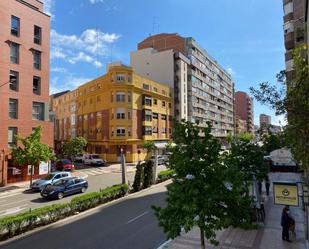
24, 77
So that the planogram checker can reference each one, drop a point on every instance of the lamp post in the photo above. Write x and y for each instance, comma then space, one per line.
123, 167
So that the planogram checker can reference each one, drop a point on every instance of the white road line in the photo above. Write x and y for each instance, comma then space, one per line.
137, 217
9, 195
13, 210
162, 246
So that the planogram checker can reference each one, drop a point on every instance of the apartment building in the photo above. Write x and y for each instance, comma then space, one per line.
265, 120
241, 125
24, 76
64, 107
203, 90
119, 110
244, 109
294, 30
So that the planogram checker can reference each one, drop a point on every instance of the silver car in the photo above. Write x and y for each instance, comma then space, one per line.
49, 179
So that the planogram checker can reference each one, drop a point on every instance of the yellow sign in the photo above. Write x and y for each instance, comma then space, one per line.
285, 194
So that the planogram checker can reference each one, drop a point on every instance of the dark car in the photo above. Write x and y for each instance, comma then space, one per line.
64, 187
64, 164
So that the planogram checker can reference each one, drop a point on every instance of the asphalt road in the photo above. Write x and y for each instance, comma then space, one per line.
14, 203
127, 224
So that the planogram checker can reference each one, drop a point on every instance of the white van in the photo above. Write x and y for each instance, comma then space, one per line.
93, 159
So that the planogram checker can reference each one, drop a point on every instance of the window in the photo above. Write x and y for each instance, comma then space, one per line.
129, 97
14, 53
163, 103
120, 78
129, 78
36, 85
37, 38
37, 111
163, 117
120, 97
146, 86
13, 108
14, 80
163, 130
15, 25
147, 100
147, 130
121, 132
73, 119
37, 59
112, 96
148, 115
129, 131
12, 132
121, 113
155, 115
155, 101
155, 129
98, 98
169, 105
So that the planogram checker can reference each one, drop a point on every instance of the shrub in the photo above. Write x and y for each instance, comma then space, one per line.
165, 175
148, 174
17, 224
138, 179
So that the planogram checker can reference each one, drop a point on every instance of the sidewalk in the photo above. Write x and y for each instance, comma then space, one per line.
267, 237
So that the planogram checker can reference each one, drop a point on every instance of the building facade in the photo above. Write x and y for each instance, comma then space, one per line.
204, 91
294, 30
241, 125
24, 75
120, 110
64, 107
244, 109
265, 120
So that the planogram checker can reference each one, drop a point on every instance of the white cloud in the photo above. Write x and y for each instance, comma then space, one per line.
68, 82
48, 7
279, 120
58, 70
57, 53
84, 48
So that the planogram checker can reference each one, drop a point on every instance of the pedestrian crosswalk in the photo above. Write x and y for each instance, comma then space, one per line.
94, 171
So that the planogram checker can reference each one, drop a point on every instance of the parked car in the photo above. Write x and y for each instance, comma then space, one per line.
161, 159
49, 179
93, 159
64, 164
79, 158
64, 187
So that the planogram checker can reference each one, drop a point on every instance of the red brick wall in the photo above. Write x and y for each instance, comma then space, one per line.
164, 42
28, 18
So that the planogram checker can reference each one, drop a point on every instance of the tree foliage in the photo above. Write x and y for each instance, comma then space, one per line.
139, 175
273, 142
148, 178
32, 152
205, 192
292, 98
74, 146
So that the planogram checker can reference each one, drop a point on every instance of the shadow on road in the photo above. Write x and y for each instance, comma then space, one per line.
128, 224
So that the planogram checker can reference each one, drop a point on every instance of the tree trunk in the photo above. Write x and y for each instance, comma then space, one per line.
202, 239
31, 175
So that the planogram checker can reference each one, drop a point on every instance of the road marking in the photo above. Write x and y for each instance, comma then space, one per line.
137, 217
6, 196
162, 246
13, 210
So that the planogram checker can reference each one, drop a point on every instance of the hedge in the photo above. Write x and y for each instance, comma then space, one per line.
13, 225
165, 175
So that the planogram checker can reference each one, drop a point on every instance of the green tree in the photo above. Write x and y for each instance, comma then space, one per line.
273, 142
292, 99
150, 147
205, 192
74, 146
247, 157
32, 152
148, 178
139, 176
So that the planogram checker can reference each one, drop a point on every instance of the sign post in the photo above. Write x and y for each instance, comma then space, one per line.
286, 193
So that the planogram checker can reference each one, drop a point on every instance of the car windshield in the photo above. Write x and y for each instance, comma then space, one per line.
95, 157
66, 161
49, 177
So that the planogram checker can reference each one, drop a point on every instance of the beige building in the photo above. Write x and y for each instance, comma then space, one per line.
204, 91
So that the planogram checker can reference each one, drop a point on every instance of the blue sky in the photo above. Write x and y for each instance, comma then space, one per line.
244, 36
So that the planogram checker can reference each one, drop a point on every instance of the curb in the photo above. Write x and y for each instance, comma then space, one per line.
85, 213
164, 245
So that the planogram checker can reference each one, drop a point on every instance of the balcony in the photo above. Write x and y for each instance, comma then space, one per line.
289, 41
288, 17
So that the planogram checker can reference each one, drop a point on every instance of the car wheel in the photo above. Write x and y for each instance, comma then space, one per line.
60, 195
83, 190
